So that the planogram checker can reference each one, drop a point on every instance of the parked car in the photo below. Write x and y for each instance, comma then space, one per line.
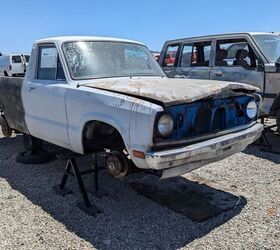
252, 58
26, 59
12, 65
156, 55
80, 96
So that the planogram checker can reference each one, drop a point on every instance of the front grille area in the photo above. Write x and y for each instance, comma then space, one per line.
205, 117
202, 120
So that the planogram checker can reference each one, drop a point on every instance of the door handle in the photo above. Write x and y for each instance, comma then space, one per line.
31, 87
180, 76
218, 73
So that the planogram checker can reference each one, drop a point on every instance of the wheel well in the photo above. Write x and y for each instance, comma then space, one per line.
275, 106
99, 135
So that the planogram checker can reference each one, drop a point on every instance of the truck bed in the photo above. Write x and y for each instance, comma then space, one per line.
11, 105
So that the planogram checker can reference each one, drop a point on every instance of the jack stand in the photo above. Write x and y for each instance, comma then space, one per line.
95, 190
72, 169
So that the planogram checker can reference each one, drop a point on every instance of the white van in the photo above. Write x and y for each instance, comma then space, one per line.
12, 65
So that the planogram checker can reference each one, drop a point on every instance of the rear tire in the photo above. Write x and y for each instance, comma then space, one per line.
278, 121
32, 144
5, 73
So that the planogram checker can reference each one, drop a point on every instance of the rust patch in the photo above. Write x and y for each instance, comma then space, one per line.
169, 91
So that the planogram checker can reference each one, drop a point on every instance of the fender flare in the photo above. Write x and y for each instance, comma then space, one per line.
100, 117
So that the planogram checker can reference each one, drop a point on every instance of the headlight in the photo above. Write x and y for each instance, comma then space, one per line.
252, 109
165, 125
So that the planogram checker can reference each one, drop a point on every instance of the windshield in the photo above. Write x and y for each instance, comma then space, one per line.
90, 59
270, 46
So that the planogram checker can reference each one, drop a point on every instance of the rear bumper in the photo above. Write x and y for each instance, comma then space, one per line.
181, 160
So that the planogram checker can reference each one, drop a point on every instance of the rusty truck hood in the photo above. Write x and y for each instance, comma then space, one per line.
170, 91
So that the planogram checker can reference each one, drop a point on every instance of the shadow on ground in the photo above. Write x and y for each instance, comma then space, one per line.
262, 150
128, 218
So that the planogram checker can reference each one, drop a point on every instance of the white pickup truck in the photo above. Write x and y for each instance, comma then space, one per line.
84, 93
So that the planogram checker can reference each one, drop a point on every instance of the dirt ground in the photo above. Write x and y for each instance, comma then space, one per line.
231, 204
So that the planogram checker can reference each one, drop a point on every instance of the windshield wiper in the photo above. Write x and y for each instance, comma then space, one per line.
139, 75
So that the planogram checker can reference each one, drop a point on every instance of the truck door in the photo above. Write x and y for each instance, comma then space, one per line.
170, 59
44, 98
236, 61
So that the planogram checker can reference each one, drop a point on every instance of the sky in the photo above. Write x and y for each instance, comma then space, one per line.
151, 22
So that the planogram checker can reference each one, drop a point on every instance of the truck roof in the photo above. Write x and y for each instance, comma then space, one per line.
61, 39
224, 34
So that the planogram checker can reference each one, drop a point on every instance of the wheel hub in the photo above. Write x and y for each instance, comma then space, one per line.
114, 165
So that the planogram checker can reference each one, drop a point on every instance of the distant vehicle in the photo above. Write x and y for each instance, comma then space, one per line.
26, 58
156, 55
252, 58
12, 65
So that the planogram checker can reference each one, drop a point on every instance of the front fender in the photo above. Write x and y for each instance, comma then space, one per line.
114, 121
132, 117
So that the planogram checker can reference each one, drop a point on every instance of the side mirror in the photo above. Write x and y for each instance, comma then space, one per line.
270, 67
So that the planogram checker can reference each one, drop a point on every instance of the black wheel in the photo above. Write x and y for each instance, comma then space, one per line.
278, 121
32, 144
117, 164
5, 73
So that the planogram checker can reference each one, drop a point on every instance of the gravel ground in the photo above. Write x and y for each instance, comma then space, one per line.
32, 216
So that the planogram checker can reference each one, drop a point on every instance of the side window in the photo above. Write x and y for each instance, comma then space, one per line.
188, 57
170, 55
197, 54
49, 66
235, 53
206, 53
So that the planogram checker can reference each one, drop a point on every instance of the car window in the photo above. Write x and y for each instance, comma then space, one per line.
170, 55
206, 52
16, 59
270, 46
49, 66
197, 54
187, 55
26, 58
235, 53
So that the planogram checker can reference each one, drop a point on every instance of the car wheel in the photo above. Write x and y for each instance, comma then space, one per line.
5, 73
32, 144
117, 164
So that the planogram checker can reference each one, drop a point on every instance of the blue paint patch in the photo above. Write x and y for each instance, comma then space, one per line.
208, 116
